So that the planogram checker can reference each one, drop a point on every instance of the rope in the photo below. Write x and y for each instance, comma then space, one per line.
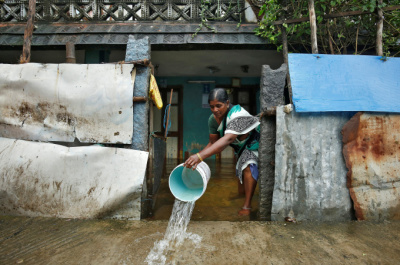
165, 118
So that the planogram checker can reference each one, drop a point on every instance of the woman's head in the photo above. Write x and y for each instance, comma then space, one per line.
219, 102
218, 94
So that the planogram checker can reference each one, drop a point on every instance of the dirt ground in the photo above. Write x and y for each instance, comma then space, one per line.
68, 241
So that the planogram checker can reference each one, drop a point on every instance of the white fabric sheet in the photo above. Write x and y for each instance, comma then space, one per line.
61, 102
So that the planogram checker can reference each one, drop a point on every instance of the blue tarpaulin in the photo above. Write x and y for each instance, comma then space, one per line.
344, 83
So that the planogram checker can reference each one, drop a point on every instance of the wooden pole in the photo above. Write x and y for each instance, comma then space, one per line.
139, 99
313, 24
169, 109
334, 15
26, 49
379, 30
70, 53
285, 51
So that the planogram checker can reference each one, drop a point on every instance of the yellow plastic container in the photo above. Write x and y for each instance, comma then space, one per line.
155, 93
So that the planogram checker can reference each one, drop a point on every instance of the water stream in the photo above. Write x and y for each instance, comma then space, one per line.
165, 250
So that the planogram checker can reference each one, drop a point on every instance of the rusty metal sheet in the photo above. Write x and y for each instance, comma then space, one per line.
372, 153
61, 102
44, 179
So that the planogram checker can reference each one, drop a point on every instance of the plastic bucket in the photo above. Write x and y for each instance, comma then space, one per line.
187, 184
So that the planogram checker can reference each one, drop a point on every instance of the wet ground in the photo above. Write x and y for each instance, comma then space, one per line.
220, 202
68, 241
229, 240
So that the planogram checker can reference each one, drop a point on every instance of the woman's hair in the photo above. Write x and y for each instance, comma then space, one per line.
218, 94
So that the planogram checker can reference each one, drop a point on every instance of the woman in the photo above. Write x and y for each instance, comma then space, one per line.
234, 126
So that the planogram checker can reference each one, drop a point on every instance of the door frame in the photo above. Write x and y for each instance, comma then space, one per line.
252, 89
179, 133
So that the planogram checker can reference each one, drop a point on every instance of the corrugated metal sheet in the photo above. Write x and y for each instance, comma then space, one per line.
372, 153
42, 179
61, 102
344, 83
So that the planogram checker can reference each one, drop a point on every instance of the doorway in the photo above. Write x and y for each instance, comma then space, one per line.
175, 132
189, 134
220, 202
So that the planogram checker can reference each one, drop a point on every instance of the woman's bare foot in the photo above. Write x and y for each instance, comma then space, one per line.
244, 211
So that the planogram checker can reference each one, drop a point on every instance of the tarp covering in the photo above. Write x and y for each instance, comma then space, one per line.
344, 83
44, 179
61, 102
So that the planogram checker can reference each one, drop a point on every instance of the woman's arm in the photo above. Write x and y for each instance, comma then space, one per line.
212, 139
211, 149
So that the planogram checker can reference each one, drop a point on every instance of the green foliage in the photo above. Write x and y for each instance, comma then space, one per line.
335, 35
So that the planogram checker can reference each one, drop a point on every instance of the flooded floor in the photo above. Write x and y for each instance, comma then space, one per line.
220, 202
69, 241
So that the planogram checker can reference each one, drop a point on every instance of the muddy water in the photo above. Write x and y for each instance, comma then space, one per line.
165, 250
220, 202
68, 241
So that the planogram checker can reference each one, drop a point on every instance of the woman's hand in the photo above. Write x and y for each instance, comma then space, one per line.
192, 162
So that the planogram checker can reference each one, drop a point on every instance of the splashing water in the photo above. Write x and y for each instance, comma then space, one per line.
163, 250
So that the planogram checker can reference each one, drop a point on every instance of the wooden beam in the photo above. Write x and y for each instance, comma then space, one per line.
313, 25
334, 15
285, 52
145, 62
291, 21
26, 49
379, 30
152, 68
139, 99
270, 111
169, 110
70, 53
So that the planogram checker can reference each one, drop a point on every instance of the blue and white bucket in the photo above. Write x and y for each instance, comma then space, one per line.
187, 184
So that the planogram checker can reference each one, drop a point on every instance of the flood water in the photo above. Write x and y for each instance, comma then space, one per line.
165, 250
220, 202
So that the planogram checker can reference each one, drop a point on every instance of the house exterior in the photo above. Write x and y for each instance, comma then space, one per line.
190, 41
193, 46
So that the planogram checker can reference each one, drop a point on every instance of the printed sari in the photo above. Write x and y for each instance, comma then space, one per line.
238, 121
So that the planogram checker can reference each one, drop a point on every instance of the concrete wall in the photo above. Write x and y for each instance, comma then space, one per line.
310, 172
302, 170
140, 50
272, 88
